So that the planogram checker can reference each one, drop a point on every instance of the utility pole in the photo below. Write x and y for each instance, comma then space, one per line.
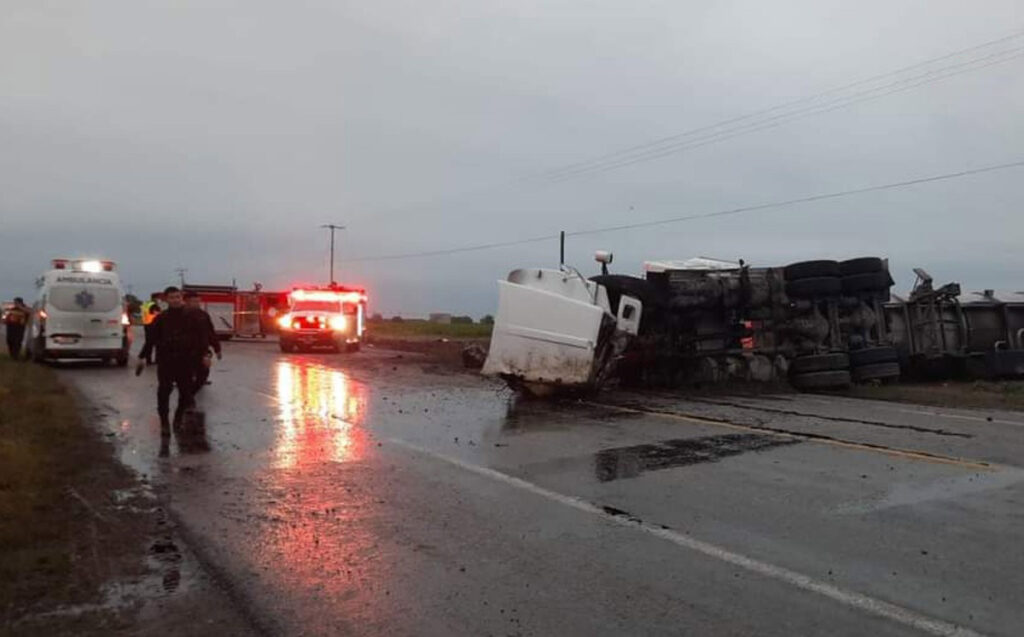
181, 275
332, 227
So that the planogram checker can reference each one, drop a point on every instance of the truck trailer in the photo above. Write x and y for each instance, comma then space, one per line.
818, 325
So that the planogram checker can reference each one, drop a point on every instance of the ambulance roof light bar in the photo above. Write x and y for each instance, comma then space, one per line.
83, 265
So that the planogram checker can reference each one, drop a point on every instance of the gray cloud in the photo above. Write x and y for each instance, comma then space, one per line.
218, 136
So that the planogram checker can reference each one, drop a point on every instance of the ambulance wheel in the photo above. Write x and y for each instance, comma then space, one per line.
122, 360
287, 348
352, 348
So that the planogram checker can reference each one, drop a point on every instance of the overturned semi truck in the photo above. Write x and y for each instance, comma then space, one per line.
820, 324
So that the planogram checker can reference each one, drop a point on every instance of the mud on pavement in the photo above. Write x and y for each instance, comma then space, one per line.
124, 569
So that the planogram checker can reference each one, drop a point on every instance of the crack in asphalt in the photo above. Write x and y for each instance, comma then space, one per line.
856, 421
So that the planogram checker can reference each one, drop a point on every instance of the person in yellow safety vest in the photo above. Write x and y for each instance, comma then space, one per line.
150, 310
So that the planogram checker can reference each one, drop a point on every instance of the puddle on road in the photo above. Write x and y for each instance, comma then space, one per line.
629, 462
532, 415
321, 411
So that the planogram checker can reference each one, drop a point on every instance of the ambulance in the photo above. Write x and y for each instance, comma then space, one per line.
79, 313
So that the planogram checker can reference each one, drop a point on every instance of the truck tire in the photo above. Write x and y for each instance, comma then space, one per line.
868, 282
835, 379
811, 270
876, 371
863, 265
819, 363
814, 287
873, 356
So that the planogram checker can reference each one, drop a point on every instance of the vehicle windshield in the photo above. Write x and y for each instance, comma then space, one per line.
84, 298
316, 306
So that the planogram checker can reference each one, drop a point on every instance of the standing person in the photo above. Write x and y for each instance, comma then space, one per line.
14, 322
150, 310
179, 338
202, 375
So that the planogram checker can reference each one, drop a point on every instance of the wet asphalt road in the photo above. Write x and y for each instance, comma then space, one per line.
370, 495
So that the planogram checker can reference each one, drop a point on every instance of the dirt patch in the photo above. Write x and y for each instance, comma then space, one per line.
77, 529
629, 462
443, 352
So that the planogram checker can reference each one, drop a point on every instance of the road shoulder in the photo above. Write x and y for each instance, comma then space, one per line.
87, 546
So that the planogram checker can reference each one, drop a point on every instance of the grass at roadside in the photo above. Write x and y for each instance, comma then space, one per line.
52, 551
1007, 395
421, 329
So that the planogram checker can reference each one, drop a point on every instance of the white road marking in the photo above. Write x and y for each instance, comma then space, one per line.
852, 599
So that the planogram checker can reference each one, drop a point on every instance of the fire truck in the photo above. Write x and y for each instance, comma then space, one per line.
307, 317
242, 313
332, 317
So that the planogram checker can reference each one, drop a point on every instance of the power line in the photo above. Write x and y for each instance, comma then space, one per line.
436, 253
752, 122
705, 215
779, 120
799, 200
778, 107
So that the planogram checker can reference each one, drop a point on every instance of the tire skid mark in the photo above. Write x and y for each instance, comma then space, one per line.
803, 435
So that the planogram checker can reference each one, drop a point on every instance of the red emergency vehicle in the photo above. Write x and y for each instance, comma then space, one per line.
243, 313
332, 317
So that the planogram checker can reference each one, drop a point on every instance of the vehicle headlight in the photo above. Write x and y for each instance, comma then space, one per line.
338, 323
285, 322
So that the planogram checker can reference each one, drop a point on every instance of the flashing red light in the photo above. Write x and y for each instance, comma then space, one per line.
60, 264
328, 295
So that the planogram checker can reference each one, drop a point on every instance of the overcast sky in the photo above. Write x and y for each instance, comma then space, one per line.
218, 135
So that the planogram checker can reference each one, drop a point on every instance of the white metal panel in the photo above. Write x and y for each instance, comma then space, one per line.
630, 310
223, 317
696, 263
544, 336
564, 283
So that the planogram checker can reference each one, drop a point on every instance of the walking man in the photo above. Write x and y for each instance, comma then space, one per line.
202, 374
14, 323
179, 339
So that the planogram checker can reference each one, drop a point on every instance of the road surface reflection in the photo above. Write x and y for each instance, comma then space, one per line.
321, 410
314, 525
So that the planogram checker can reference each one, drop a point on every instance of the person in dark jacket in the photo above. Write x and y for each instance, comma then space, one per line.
202, 375
15, 320
179, 339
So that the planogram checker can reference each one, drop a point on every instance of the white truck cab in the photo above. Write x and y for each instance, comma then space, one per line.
556, 330
79, 313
